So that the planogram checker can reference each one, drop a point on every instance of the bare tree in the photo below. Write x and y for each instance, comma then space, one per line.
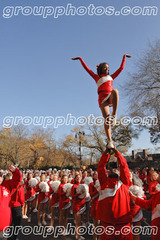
143, 89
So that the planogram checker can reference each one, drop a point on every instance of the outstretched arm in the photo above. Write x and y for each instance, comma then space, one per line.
114, 75
102, 172
91, 73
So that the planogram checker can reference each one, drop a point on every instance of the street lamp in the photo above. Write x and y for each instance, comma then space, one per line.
79, 135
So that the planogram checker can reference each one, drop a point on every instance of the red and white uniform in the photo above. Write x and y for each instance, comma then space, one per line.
7, 189
94, 195
18, 198
152, 188
78, 203
54, 198
136, 210
64, 201
42, 196
154, 205
30, 192
114, 201
105, 82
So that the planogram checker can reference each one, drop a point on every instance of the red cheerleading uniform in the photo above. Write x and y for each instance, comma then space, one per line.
114, 201
152, 204
78, 203
105, 82
7, 189
136, 210
42, 195
94, 195
152, 188
63, 199
18, 198
30, 192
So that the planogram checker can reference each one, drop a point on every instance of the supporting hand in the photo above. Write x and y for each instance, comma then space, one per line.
76, 58
128, 56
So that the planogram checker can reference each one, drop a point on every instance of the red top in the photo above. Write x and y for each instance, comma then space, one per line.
78, 203
18, 198
30, 192
41, 195
114, 196
7, 189
63, 200
93, 193
105, 85
152, 188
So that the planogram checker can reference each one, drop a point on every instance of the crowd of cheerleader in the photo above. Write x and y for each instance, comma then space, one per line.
57, 193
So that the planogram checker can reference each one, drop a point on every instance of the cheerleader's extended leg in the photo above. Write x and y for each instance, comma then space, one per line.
114, 99
105, 112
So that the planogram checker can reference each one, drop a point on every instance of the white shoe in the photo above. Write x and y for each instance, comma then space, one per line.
81, 238
25, 217
110, 144
39, 224
49, 216
35, 210
65, 233
44, 223
29, 219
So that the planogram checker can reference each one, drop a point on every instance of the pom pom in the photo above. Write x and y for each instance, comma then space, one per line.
38, 179
88, 180
137, 191
44, 187
137, 181
97, 185
33, 182
83, 190
55, 185
67, 188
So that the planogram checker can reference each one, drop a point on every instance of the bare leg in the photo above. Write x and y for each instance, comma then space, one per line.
87, 212
105, 113
66, 217
52, 216
39, 212
43, 211
136, 237
96, 222
114, 99
78, 223
60, 217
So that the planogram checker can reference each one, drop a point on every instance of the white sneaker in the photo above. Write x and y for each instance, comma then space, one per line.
65, 233
39, 224
110, 144
44, 223
49, 216
35, 210
29, 219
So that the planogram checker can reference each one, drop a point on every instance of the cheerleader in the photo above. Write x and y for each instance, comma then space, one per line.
153, 183
94, 188
151, 204
29, 198
64, 204
107, 95
78, 204
136, 186
43, 190
54, 198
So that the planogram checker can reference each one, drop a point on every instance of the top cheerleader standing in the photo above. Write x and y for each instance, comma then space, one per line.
107, 95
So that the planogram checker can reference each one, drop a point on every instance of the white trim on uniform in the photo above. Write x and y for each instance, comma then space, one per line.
156, 212
138, 216
68, 205
82, 210
103, 80
109, 192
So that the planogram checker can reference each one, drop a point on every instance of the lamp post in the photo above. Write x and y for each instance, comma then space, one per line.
79, 135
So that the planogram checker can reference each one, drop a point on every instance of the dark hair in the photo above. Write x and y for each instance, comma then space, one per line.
63, 177
99, 68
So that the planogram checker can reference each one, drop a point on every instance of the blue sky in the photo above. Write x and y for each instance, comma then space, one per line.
37, 75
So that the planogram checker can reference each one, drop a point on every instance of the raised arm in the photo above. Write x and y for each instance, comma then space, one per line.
114, 75
102, 172
124, 170
91, 73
